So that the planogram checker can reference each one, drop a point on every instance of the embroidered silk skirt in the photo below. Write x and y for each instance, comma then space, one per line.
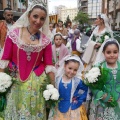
97, 112
25, 100
77, 114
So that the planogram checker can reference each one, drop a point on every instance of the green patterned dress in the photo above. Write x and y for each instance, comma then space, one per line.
99, 111
25, 100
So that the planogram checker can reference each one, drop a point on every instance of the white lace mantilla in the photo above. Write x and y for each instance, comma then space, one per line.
43, 42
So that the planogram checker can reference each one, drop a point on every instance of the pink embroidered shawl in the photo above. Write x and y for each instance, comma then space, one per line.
62, 53
15, 51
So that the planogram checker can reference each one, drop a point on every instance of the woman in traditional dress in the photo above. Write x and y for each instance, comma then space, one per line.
101, 33
105, 104
28, 53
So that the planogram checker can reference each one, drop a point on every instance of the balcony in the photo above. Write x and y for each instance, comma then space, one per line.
85, 10
84, 5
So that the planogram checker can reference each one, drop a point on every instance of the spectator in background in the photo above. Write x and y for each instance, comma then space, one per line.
88, 31
5, 25
51, 32
59, 50
68, 25
61, 29
55, 26
74, 45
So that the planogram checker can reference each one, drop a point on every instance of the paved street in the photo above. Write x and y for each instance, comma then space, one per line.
84, 38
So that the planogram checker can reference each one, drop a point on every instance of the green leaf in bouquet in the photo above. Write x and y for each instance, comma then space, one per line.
45, 83
2, 101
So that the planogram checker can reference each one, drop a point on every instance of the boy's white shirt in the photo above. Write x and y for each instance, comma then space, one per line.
78, 45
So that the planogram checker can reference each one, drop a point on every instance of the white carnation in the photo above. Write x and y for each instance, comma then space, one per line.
50, 86
92, 75
106, 37
2, 89
55, 96
46, 94
5, 81
53, 90
94, 70
51, 93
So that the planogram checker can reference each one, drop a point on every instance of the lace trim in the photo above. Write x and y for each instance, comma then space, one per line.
3, 63
31, 48
50, 68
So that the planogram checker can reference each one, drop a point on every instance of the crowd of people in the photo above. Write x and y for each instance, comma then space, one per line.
32, 56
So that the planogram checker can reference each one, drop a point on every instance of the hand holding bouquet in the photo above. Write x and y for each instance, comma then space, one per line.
5, 84
96, 79
51, 95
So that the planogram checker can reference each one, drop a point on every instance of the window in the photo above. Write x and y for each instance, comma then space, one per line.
9, 3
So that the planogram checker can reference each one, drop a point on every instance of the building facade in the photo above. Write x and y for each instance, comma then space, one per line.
64, 12
58, 10
92, 7
83, 5
112, 9
17, 7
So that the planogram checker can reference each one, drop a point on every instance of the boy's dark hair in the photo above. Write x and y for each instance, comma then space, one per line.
7, 9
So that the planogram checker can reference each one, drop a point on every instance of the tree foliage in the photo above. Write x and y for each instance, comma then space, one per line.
67, 21
24, 2
82, 18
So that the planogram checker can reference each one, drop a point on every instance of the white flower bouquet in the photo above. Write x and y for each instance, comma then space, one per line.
51, 95
96, 80
92, 75
106, 37
5, 84
102, 38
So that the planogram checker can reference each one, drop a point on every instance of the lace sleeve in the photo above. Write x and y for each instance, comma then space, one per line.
3, 63
50, 68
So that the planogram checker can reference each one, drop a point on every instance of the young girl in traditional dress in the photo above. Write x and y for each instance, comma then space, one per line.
72, 90
59, 50
109, 59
